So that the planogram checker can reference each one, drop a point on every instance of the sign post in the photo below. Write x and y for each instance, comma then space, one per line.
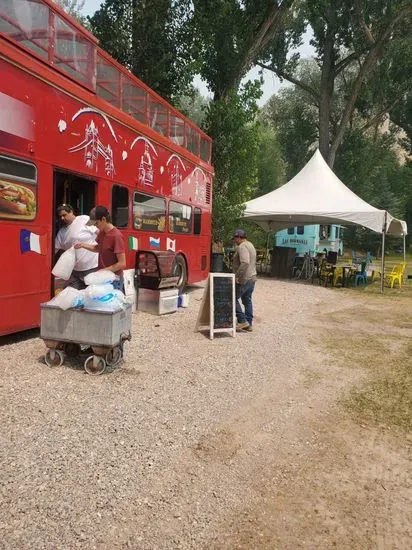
218, 308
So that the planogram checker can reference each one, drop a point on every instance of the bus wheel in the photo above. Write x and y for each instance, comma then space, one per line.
180, 270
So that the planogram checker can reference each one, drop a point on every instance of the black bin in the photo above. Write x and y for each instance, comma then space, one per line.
216, 264
155, 269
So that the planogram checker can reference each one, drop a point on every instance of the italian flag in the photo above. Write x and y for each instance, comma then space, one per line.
133, 243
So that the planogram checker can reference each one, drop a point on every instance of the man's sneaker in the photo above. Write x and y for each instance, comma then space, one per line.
249, 328
242, 326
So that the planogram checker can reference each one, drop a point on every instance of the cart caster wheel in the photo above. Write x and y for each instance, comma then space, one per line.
95, 365
54, 358
71, 349
113, 356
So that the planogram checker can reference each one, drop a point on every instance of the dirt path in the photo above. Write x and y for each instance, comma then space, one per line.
237, 444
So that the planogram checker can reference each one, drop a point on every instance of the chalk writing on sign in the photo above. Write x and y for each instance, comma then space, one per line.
222, 302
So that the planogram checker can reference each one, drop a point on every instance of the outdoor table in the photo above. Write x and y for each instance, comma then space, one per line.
346, 269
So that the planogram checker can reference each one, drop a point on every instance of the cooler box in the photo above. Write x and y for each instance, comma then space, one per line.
157, 302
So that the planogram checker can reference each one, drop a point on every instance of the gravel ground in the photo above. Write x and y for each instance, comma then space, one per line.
155, 454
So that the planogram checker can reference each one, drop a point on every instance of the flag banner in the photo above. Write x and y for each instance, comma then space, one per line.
171, 244
133, 243
154, 242
32, 242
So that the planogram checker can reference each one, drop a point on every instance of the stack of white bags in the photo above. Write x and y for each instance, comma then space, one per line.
99, 294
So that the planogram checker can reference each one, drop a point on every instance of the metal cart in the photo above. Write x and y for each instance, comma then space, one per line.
105, 332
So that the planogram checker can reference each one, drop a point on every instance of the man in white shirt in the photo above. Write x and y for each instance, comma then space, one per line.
75, 230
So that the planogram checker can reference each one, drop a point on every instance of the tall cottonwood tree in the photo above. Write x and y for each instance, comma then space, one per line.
231, 35
349, 35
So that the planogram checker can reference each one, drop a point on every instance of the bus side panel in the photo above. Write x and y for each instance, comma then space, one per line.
25, 274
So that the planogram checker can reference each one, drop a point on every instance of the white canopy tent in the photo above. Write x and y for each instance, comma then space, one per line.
317, 196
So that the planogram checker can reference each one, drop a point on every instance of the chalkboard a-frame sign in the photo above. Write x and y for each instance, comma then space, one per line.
218, 308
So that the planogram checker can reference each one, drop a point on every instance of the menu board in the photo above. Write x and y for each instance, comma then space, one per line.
222, 302
217, 310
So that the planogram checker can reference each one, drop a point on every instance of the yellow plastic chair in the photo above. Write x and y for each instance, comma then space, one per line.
396, 274
337, 275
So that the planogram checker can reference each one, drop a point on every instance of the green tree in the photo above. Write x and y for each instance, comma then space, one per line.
350, 38
295, 121
73, 8
153, 38
270, 162
369, 166
231, 36
194, 106
233, 126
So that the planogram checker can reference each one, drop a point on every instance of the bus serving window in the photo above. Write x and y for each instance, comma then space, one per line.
120, 206
180, 218
197, 221
149, 213
18, 189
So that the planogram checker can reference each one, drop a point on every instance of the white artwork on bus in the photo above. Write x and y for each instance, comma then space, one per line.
88, 110
124, 155
62, 126
200, 185
145, 175
92, 145
174, 162
93, 148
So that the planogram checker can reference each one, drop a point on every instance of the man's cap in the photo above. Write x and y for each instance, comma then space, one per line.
239, 233
97, 213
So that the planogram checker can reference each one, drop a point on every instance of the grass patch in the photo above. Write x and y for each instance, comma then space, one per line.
311, 378
374, 336
386, 400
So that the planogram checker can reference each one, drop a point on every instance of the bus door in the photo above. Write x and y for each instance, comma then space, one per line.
74, 190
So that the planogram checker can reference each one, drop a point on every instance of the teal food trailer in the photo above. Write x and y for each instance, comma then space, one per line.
311, 238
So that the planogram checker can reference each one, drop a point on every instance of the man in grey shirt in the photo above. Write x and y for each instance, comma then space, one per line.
244, 268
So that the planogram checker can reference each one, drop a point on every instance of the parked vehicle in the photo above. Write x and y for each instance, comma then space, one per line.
76, 127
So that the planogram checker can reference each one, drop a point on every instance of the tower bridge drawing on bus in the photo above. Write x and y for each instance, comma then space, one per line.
145, 175
92, 144
200, 185
175, 163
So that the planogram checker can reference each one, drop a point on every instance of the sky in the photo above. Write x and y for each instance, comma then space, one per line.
271, 83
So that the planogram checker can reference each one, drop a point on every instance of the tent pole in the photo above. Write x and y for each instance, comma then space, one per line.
404, 247
383, 255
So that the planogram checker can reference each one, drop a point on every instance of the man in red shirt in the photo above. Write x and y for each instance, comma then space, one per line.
110, 242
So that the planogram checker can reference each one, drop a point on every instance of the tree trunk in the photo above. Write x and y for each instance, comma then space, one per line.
327, 82
365, 69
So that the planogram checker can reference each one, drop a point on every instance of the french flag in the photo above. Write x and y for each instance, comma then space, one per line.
31, 242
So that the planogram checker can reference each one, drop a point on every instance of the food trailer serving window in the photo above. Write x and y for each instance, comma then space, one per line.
149, 213
180, 218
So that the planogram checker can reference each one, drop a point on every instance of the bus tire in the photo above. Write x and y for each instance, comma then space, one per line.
180, 269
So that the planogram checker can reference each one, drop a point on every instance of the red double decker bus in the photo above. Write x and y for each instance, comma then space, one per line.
78, 128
